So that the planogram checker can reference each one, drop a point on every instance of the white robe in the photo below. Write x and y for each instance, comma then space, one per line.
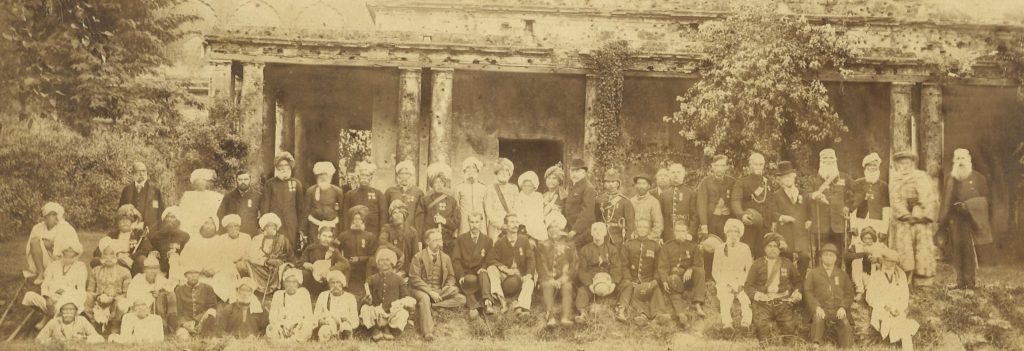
62, 232
141, 288
133, 329
235, 249
895, 294
529, 208
195, 207
207, 254
292, 311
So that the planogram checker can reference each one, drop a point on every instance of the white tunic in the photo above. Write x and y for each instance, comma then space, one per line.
195, 207
529, 208
890, 289
288, 310
133, 329
63, 232
207, 254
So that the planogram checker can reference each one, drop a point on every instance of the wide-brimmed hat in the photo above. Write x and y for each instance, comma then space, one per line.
643, 176
602, 285
512, 285
785, 167
904, 154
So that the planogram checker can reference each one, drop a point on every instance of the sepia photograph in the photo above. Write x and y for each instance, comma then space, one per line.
592, 175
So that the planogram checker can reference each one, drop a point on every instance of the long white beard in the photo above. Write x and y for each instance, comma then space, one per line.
872, 176
828, 171
283, 175
962, 171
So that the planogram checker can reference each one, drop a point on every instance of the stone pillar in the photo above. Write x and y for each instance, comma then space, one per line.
409, 81
441, 120
902, 118
221, 82
590, 123
932, 125
254, 104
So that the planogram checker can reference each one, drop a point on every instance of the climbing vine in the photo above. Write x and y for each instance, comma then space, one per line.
607, 65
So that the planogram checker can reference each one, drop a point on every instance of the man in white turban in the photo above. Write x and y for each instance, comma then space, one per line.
39, 251
405, 189
324, 201
529, 207
199, 203
470, 193
291, 310
368, 196
500, 199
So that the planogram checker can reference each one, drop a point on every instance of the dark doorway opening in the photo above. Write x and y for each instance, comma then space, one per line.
531, 155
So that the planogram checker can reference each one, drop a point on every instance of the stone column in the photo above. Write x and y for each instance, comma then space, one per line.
254, 104
409, 80
902, 118
441, 120
221, 82
590, 123
932, 125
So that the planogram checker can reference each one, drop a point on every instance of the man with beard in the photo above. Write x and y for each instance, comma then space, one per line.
324, 200
358, 245
713, 194
870, 194
661, 181
615, 211
774, 286
146, 197
200, 203
788, 209
470, 194
437, 209
749, 202
915, 206
243, 201
646, 206
468, 259
500, 199
405, 189
963, 217
580, 204
368, 196
678, 203
284, 197
830, 193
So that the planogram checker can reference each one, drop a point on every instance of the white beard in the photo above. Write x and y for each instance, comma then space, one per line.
283, 175
962, 171
872, 177
828, 171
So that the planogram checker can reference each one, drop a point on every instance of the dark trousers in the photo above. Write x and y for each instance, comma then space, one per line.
691, 293
965, 255
563, 288
631, 299
782, 313
752, 236
842, 327
482, 288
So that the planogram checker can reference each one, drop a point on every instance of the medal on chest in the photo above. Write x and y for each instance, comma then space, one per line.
784, 272
870, 195
249, 203
442, 206
362, 243
291, 186
521, 251
836, 279
371, 196
649, 253
483, 252
156, 204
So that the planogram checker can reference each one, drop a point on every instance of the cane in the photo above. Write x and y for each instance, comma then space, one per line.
11, 303
817, 235
17, 330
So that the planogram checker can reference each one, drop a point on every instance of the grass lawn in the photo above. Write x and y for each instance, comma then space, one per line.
949, 320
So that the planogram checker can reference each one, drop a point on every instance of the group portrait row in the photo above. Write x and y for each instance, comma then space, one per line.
287, 261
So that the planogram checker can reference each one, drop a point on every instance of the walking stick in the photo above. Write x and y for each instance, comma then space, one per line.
817, 235
11, 303
17, 330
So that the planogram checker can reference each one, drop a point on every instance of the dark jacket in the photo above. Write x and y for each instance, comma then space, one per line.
640, 260
286, 199
676, 256
829, 293
678, 203
869, 199
409, 196
752, 192
972, 193
443, 204
469, 257
504, 253
839, 194
402, 238
796, 235
552, 264
149, 201
373, 199
386, 288
709, 192
616, 211
595, 259
419, 271
757, 278
245, 205
579, 210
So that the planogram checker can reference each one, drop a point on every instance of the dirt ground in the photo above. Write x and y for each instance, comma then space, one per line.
990, 319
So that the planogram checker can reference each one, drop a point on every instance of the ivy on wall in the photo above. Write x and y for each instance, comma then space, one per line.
607, 65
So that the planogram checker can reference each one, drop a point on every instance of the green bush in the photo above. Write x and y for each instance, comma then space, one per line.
45, 161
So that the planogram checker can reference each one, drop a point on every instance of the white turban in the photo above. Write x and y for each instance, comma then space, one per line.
733, 223
405, 166
53, 207
75, 298
471, 162
323, 168
555, 219
870, 158
827, 152
117, 246
202, 173
385, 252
150, 262
292, 273
64, 243
962, 152
436, 170
336, 275
528, 176
231, 219
170, 211
364, 167
270, 218
504, 163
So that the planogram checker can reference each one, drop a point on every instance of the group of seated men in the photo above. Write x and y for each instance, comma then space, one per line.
146, 280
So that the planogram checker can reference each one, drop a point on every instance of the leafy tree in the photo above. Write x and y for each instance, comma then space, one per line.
607, 65
759, 88
75, 60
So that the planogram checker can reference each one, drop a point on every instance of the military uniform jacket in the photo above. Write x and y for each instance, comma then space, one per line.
580, 207
386, 288
244, 204
758, 277
839, 194
148, 200
796, 235
373, 199
360, 244
595, 259
436, 203
751, 192
869, 198
828, 292
285, 198
616, 211
678, 203
409, 195
193, 301
556, 262
640, 258
713, 198
402, 238
325, 204
676, 256
469, 256
517, 255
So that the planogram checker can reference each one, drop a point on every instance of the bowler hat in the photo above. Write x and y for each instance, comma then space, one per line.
755, 217
577, 164
643, 176
785, 167
830, 247
904, 154
470, 284
512, 285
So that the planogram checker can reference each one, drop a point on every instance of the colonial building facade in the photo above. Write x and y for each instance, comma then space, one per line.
440, 80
